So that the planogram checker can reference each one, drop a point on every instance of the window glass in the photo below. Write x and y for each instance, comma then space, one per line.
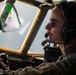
36, 46
14, 39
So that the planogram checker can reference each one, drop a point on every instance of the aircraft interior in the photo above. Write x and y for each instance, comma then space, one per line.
23, 38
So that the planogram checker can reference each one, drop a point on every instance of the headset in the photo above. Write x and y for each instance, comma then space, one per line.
69, 28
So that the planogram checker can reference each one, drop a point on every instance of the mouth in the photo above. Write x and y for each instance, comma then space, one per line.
49, 34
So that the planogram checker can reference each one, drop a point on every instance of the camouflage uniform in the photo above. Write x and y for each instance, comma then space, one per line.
63, 66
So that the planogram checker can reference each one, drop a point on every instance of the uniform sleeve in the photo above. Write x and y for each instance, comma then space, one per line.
57, 68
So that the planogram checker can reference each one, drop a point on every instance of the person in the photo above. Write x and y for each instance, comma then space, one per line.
62, 31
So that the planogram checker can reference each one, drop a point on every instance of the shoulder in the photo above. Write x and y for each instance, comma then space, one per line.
53, 68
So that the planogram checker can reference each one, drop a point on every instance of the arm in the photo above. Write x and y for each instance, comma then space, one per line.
57, 68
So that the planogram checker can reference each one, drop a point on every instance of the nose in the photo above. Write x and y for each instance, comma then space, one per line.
47, 27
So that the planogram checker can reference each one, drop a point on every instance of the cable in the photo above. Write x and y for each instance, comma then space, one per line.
16, 14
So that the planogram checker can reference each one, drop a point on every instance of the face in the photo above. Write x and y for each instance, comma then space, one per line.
54, 27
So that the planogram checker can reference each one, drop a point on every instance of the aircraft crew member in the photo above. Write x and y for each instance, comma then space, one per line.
61, 30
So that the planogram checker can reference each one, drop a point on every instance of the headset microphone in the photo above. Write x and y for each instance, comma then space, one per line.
45, 41
46, 35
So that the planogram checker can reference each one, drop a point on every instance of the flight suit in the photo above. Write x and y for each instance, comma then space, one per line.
65, 65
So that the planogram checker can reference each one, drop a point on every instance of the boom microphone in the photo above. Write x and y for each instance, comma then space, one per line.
45, 41
46, 35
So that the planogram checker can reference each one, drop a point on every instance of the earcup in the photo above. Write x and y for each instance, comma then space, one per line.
69, 28
69, 32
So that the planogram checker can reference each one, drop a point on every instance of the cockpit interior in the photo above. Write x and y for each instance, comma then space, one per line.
23, 38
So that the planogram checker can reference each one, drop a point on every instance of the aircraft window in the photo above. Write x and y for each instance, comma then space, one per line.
36, 46
13, 40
